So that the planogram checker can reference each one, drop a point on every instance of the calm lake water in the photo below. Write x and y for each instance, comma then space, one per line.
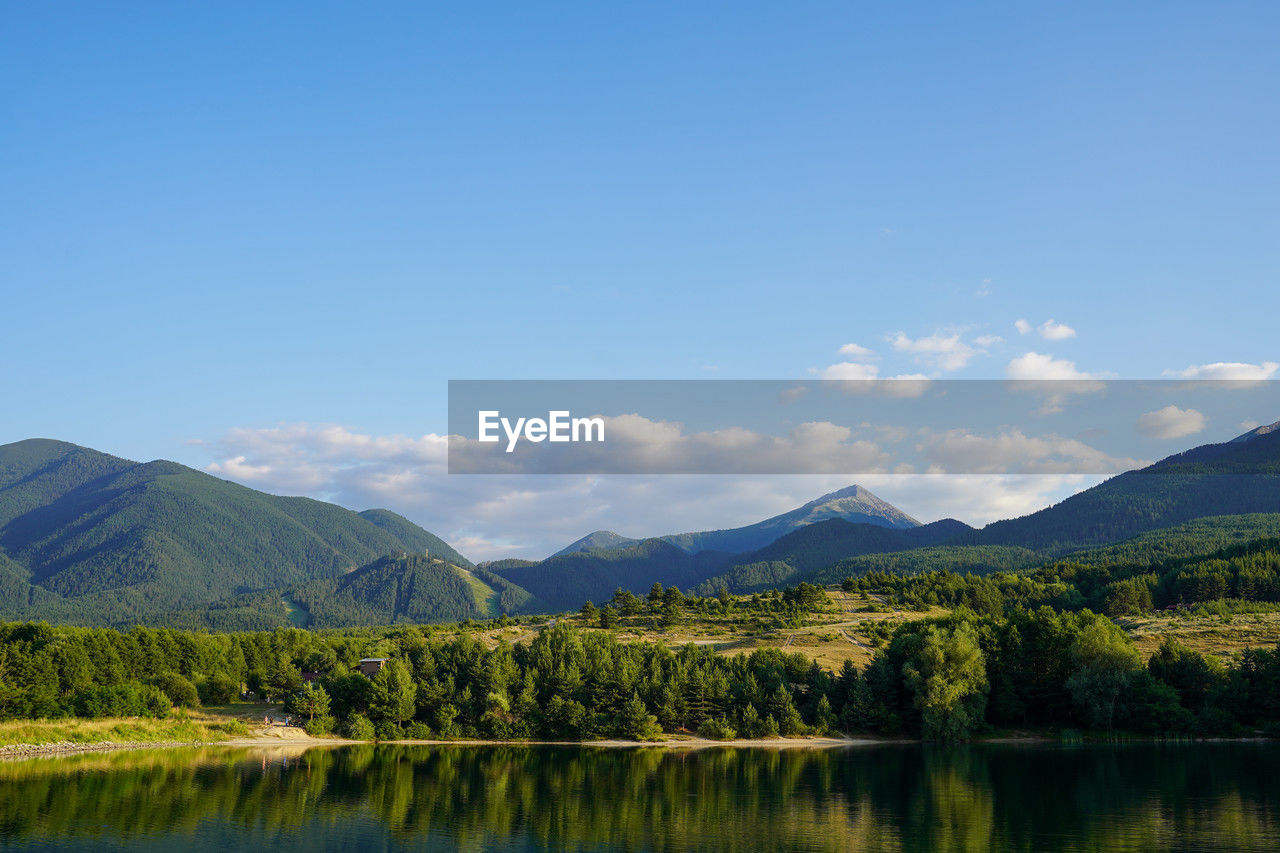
994, 797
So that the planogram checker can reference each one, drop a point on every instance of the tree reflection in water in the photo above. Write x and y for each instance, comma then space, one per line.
1133, 797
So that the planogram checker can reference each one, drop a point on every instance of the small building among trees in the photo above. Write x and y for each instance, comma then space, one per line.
369, 667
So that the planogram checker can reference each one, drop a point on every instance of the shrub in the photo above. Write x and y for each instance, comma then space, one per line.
358, 727
179, 689
319, 726
154, 702
716, 729
218, 690
122, 700
418, 731
387, 730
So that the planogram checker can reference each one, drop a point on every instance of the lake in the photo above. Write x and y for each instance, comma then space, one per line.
1209, 796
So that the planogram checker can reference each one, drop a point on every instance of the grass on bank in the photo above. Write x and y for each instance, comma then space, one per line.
193, 725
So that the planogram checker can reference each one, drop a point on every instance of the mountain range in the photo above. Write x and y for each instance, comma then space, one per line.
1233, 478
86, 537
854, 504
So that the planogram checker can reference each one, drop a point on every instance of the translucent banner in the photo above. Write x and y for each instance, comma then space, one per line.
842, 427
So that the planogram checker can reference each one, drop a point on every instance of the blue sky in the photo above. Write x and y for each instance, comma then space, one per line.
226, 218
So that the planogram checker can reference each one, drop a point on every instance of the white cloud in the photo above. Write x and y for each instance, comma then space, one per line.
939, 350
1033, 365
904, 386
984, 289
1055, 379
1051, 330
1228, 370
975, 499
239, 468
791, 395
1014, 452
856, 351
490, 517
850, 371
988, 340
1171, 422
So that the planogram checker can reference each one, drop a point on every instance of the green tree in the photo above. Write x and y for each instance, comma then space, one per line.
311, 700
824, 719
180, 690
283, 679
1131, 596
1104, 659
948, 677
783, 711
636, 722
752, 725
446, 720
358, 727
218, 689
392, 695
625, 601
1195, 677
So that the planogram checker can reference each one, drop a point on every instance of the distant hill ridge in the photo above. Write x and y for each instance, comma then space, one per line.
86, 536
853, 503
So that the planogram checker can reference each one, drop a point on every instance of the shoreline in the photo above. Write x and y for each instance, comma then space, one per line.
267, 741
296, 745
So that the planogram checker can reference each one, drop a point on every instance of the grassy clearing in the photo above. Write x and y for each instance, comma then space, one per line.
851, 628
854, 627
486, 596
1222, 636
115, 730
298, 615
193, 725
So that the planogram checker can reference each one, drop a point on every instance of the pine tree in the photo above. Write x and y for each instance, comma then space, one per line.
824, 719
636, 722
392, 696
311, 700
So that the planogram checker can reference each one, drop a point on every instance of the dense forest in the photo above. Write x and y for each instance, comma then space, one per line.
1240, 576
943, 679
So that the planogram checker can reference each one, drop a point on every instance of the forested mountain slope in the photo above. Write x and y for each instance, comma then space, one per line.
89, 537
1236, 477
